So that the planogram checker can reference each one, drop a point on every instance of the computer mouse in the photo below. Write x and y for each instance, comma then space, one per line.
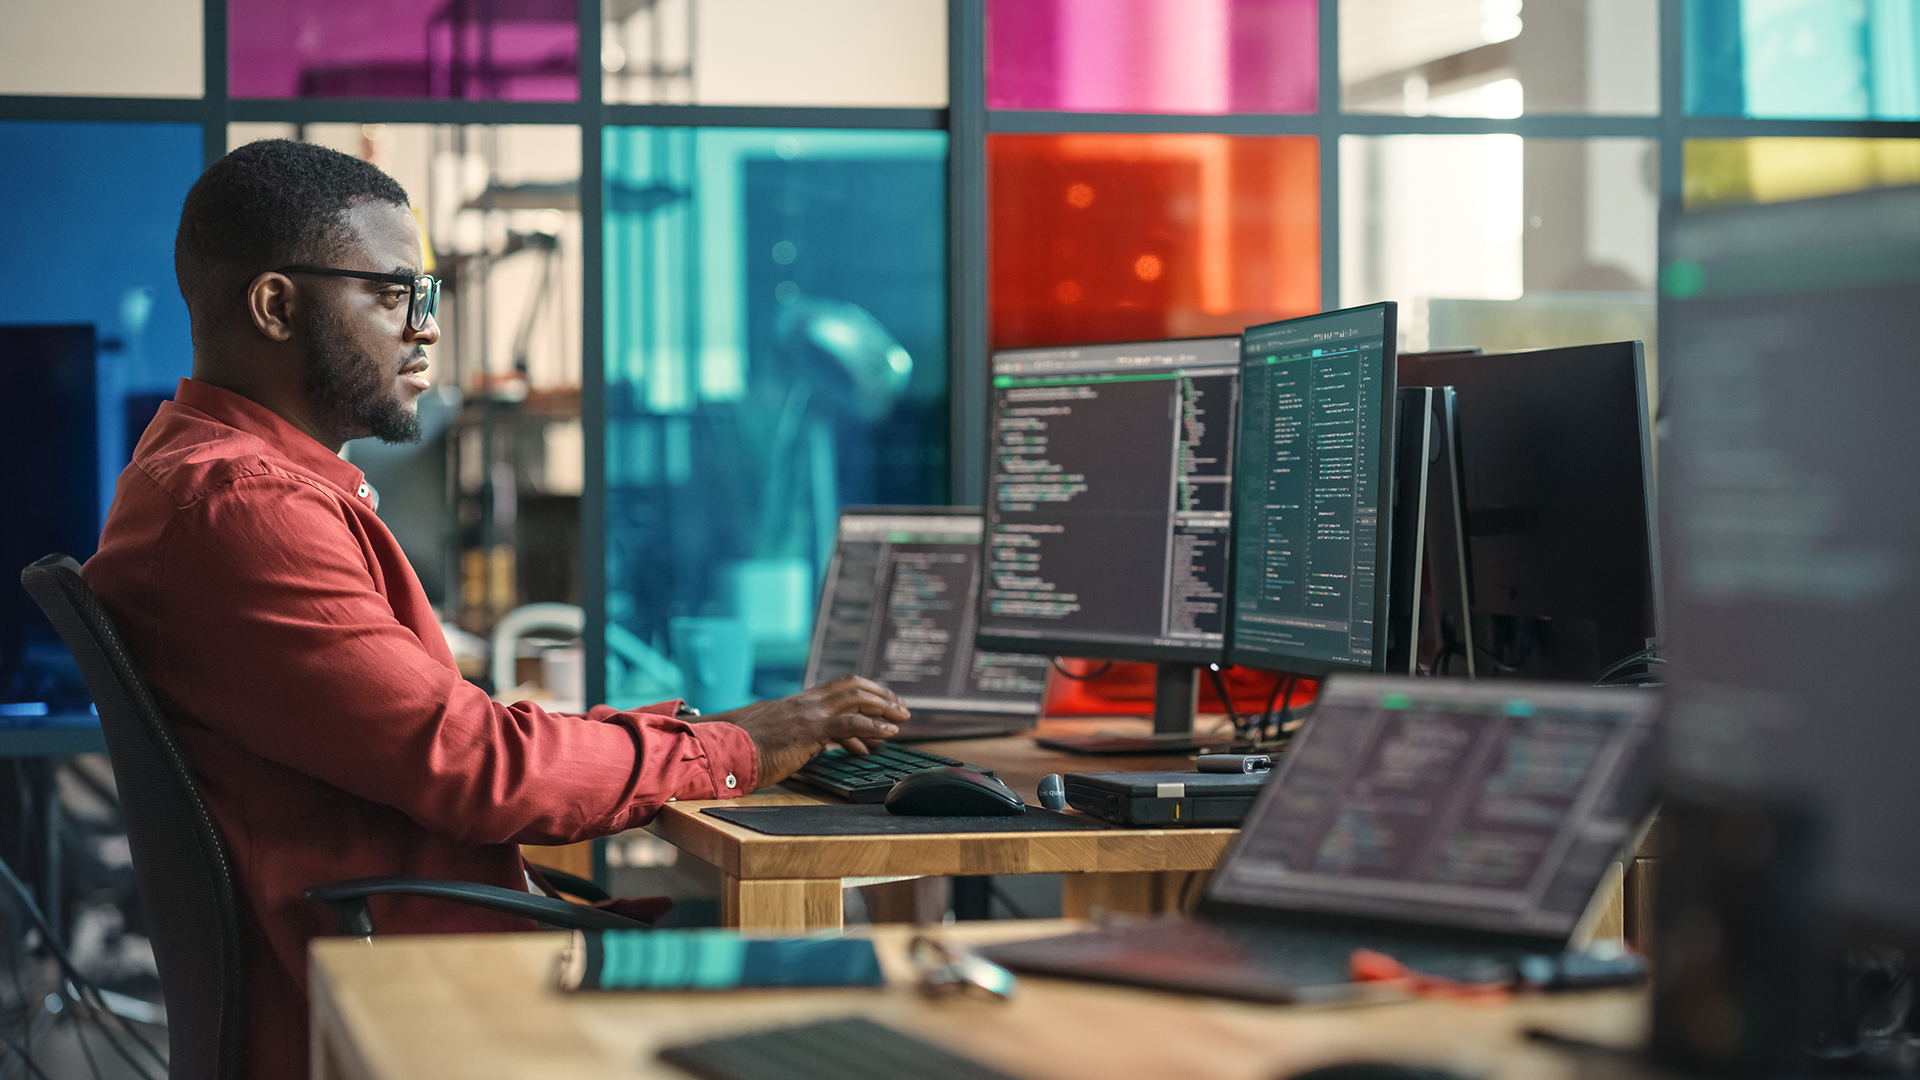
1374, 1070
950, 791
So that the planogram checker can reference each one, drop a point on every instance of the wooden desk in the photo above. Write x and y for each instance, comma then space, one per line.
481, 1008
793, 882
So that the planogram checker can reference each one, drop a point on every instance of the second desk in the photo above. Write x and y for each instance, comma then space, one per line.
794, 883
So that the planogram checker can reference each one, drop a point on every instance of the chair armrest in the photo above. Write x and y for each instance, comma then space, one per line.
573, 886
348, 899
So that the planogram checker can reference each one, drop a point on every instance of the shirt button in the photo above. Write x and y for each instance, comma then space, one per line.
731, 782
362, 492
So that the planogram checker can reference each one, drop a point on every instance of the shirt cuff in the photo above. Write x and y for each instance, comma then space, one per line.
733, 763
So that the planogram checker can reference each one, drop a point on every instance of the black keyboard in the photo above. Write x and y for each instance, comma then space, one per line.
868, 779
853, 1048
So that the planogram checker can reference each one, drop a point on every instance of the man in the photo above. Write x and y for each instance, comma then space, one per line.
288, 640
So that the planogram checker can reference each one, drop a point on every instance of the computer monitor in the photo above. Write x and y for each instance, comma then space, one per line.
1314, 486
1109, 486
50, 488
899, 606
1790, 490
1556, 456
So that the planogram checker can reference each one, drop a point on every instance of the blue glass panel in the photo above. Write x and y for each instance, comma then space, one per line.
1821, 59
776, 349
87, 217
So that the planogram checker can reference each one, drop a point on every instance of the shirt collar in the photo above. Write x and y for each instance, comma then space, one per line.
300, 448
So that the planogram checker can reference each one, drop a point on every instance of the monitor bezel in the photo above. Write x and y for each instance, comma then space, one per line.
1316, 667
1067, 645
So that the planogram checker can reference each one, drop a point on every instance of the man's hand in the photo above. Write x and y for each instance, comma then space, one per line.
853, 712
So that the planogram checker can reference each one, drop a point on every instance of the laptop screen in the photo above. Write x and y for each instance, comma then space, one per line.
898, 607
1483, 805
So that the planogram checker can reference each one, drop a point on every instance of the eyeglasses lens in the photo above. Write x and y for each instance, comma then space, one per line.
425, 301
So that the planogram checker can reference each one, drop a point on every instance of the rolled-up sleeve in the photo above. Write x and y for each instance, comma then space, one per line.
299, 658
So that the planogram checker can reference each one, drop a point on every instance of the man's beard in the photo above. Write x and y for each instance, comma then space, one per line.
348, 385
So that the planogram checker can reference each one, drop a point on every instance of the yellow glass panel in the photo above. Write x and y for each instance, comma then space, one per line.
1724, 171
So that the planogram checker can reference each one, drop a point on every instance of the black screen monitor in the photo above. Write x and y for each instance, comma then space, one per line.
50, 487
1314, 481
1108, 504
1556, 450
1790, 489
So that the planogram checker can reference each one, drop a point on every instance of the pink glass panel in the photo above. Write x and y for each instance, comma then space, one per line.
1169, 56
501, 50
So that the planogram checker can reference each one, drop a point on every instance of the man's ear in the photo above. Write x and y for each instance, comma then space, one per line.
271, 302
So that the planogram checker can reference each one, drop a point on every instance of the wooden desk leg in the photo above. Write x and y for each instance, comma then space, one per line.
1134, 893
1641, 878
792, 904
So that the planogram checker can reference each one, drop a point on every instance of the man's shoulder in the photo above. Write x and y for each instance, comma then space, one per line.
191, 458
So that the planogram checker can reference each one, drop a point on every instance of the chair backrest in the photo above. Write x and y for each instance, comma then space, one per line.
186, 879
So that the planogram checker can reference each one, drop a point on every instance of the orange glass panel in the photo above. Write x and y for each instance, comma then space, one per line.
1119, 237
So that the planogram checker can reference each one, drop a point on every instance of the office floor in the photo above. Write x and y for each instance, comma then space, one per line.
65, 1041
60, 1055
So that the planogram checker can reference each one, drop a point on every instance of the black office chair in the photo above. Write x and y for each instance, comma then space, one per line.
186, 880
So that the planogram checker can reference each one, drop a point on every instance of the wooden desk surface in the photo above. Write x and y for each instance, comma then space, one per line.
482, 1007
1019, 761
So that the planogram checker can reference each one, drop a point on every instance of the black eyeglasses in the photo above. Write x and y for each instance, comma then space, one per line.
422, 301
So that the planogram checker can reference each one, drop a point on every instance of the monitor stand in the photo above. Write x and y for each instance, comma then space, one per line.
1176, 696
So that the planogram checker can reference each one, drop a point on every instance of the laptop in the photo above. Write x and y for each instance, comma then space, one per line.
898, 607
1459, 827
1165, 799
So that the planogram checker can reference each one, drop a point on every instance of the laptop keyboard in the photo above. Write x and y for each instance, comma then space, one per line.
868, 779
1318, 957
1277, 956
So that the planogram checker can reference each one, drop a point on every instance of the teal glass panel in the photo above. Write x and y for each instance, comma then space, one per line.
775, 350
1815, 59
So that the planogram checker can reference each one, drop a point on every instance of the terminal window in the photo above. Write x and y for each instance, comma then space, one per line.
1310, 499
1110, 494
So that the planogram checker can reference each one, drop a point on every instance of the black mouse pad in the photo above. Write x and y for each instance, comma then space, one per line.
869, 819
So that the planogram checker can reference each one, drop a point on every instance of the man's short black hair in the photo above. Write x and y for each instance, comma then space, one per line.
266, 205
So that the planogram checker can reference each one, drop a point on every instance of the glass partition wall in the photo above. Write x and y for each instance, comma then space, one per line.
717, 268
776, 349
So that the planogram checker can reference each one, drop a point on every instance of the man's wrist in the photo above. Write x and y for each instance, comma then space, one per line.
733, 761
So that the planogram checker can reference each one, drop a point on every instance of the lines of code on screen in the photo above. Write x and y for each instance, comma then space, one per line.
1307, 553
1109, 493
900, 609
1500, 814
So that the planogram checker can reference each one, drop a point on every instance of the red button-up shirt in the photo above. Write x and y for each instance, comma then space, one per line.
313, 692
